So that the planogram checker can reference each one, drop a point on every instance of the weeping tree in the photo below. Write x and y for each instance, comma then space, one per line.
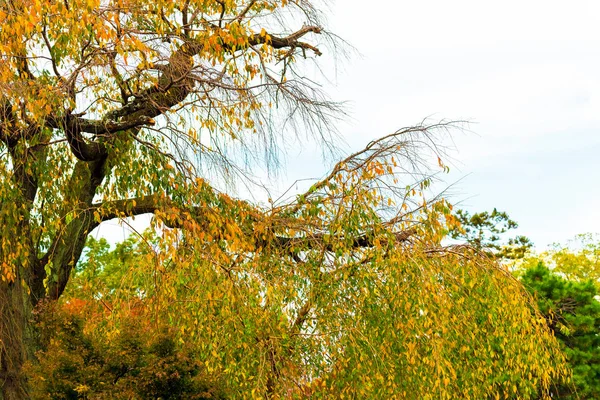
117, 108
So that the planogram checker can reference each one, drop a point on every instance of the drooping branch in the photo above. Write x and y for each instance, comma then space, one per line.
400, 142
68, 246
151, 204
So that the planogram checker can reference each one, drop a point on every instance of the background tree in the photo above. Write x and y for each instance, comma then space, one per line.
80, 359
484, 232
572, 310
565, 282
112, 109
578, 260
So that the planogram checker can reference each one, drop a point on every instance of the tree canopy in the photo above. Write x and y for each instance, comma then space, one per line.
117, 108
577, 260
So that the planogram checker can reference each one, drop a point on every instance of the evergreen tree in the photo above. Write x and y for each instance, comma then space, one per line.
572, 310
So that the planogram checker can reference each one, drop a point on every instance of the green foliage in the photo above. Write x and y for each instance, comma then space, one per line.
81, 359
102, 269
484, 232
572, 311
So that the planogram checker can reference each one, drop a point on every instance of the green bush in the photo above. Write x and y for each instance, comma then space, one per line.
572, 311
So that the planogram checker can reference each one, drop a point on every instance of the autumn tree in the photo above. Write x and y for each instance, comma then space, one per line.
409, 322
116, 108
104, 101
578, 260
565, 282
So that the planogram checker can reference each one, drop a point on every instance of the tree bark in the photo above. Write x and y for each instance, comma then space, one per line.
16, 343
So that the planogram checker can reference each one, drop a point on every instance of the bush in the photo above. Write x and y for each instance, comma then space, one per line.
80, 359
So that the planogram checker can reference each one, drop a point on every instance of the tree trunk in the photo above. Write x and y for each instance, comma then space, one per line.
15, 339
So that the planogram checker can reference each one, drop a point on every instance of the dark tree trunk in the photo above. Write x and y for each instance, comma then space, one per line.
29, 285
15, 339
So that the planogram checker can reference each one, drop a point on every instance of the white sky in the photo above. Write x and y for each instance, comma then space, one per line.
526, 73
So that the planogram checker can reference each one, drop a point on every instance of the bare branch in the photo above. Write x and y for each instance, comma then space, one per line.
49, 47
288, 41
242, 14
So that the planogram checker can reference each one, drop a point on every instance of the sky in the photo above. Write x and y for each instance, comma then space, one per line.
526, 74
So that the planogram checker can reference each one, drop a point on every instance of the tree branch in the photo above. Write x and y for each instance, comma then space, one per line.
150, 204
321, 242
126, 208
174, 85
176, 80
242, 14
68, 243
82, 149
288, 41
86, 150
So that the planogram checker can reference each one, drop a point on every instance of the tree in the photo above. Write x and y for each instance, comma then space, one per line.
578, 260
572, 311
112, 109
97, 97
79, 359
483, 231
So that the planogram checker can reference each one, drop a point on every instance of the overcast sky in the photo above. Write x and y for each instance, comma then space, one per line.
526, 73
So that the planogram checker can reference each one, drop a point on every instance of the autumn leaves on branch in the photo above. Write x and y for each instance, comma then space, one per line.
91, 74
181, 63
175, 83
